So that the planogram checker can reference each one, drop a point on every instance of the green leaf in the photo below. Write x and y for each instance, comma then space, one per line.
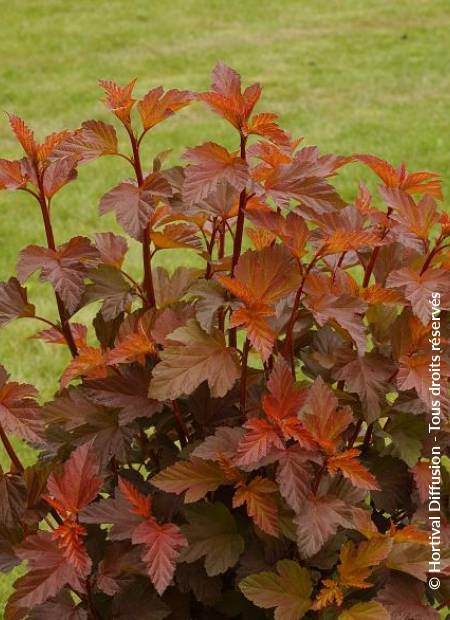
212, 533
288, 590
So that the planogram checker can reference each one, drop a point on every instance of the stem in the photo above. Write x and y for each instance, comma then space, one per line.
183, 432
318, 478
374, 255
354, 437
243, 386
146, 250
288, 344
367, 438
10, 451
90, 601
237, 246
437, 248
64, 319
209, 249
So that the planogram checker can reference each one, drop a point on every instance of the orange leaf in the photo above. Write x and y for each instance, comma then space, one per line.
258, 495
158, 105
89, 363
358, 561
141, 504
119, 99
351, 468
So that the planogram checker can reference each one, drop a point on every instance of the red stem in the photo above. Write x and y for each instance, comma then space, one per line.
374, 255
288, 344
146, 250
243, 386
437, 248
237, 246
10, 451
63, 317
183, 432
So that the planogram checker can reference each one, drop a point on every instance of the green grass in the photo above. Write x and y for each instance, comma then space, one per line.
350, 76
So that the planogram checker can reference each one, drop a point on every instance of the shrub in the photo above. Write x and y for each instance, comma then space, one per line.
242, 440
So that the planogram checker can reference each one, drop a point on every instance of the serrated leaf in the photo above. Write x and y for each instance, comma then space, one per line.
19, 411
373, 610
212, 533
158, 105
357, 562
13, 302
196, 477
259, 497
347, 463
162, 547
196, 357
288, 590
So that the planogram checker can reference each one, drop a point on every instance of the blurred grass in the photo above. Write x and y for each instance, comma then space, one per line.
350, 76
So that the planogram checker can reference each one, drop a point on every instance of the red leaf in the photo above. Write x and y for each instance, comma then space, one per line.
57, 174
79, 483
13, 302
55, 336
259, 497
119, 99
196, 477
141, 504
226, 97
322, 417
210, 164
158, 105
417, 182
11, 176
135, 205
162, 547
69, 539
49, 571
24, 135
133, 347
351, 468
19, 411
260, 439
90, 362
65, 268
92, 140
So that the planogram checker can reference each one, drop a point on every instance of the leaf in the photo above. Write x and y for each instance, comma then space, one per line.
55, 336
292, 181
11, 176
141, 504
13, 500
357, 562
373, 610
115, 511
265, 125
119, 99
181, 235
112, 248
288, 590
162, 547
404, 598
259, 497
24, 135
417, 182
170, 288
138, 600
260, 439
19, 411
212, 533
79, 483
346, 462
411, 558
92, 140
345, 310
196, 357
158, 105
318, 520
61, 607
127, 391
57, 174
294, 476
13, 302
418, 288
261, 279
134, 205
197, 477
210, 296
109, 285
65, 268
89, 362
210, 164
322, 417
49, 571
367, 376
226, 97
223, 444
69, 536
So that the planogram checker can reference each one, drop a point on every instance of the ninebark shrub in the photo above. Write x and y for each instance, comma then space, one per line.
246, 440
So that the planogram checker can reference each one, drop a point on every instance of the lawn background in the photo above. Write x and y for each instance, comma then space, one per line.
350, 76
